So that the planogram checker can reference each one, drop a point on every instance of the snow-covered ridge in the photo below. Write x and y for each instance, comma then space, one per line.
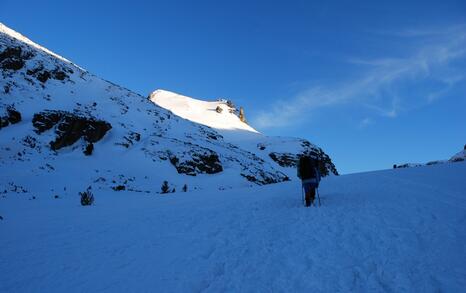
458, 157
126, 141
14, 34
199, 111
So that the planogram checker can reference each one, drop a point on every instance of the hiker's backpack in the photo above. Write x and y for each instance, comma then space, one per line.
307, 168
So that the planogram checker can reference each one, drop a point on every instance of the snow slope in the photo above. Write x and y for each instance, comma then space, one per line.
388, 231
199, 111
145, 146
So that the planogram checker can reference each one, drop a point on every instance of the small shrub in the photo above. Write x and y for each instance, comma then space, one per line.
56, 196
185, 188
394, 166
87, 198
218, 109
165, 188
119, 187
89, 149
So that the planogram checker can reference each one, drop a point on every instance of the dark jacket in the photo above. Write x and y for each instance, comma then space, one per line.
314, 179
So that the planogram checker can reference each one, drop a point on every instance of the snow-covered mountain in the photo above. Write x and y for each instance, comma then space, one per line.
63, 129
220, 114
458, 157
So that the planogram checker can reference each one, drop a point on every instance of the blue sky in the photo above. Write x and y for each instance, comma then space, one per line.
372, 83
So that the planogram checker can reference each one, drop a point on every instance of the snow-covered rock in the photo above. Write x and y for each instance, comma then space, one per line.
78, 130
459, 157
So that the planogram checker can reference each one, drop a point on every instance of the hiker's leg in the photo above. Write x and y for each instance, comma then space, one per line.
312, 192
307, 196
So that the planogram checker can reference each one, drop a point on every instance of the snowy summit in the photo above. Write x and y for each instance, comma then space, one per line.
216, 114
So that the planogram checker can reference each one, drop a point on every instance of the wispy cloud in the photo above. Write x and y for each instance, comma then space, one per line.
365, 122
381, 83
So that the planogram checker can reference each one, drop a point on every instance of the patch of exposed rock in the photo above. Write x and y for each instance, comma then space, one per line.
326, 165
14, 58
197, 161
12, 116
69, 127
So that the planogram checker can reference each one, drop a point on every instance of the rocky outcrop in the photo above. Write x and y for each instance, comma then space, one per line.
69, 127
14, 58
261, 177
284, 159
12, 116
290, 160
42, 74
197, 162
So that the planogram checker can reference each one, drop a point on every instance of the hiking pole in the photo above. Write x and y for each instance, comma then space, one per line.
302, 192
318, 195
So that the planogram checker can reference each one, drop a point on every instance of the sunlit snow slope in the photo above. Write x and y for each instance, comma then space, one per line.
399, 230
199, 111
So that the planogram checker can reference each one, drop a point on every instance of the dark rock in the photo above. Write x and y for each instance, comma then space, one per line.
13, 115
13, 58
206, 162
89, 149
46, 120
70, 127
4, 122
263, 178
284, 159
326, 165
119, 187
34, 71
59, 75
43, 76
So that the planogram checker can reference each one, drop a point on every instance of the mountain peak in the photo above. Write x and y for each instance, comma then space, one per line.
219, 114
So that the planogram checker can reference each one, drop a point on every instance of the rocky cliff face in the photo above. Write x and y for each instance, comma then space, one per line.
63, 129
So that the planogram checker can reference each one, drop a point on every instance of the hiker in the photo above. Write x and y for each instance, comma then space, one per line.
309, 174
